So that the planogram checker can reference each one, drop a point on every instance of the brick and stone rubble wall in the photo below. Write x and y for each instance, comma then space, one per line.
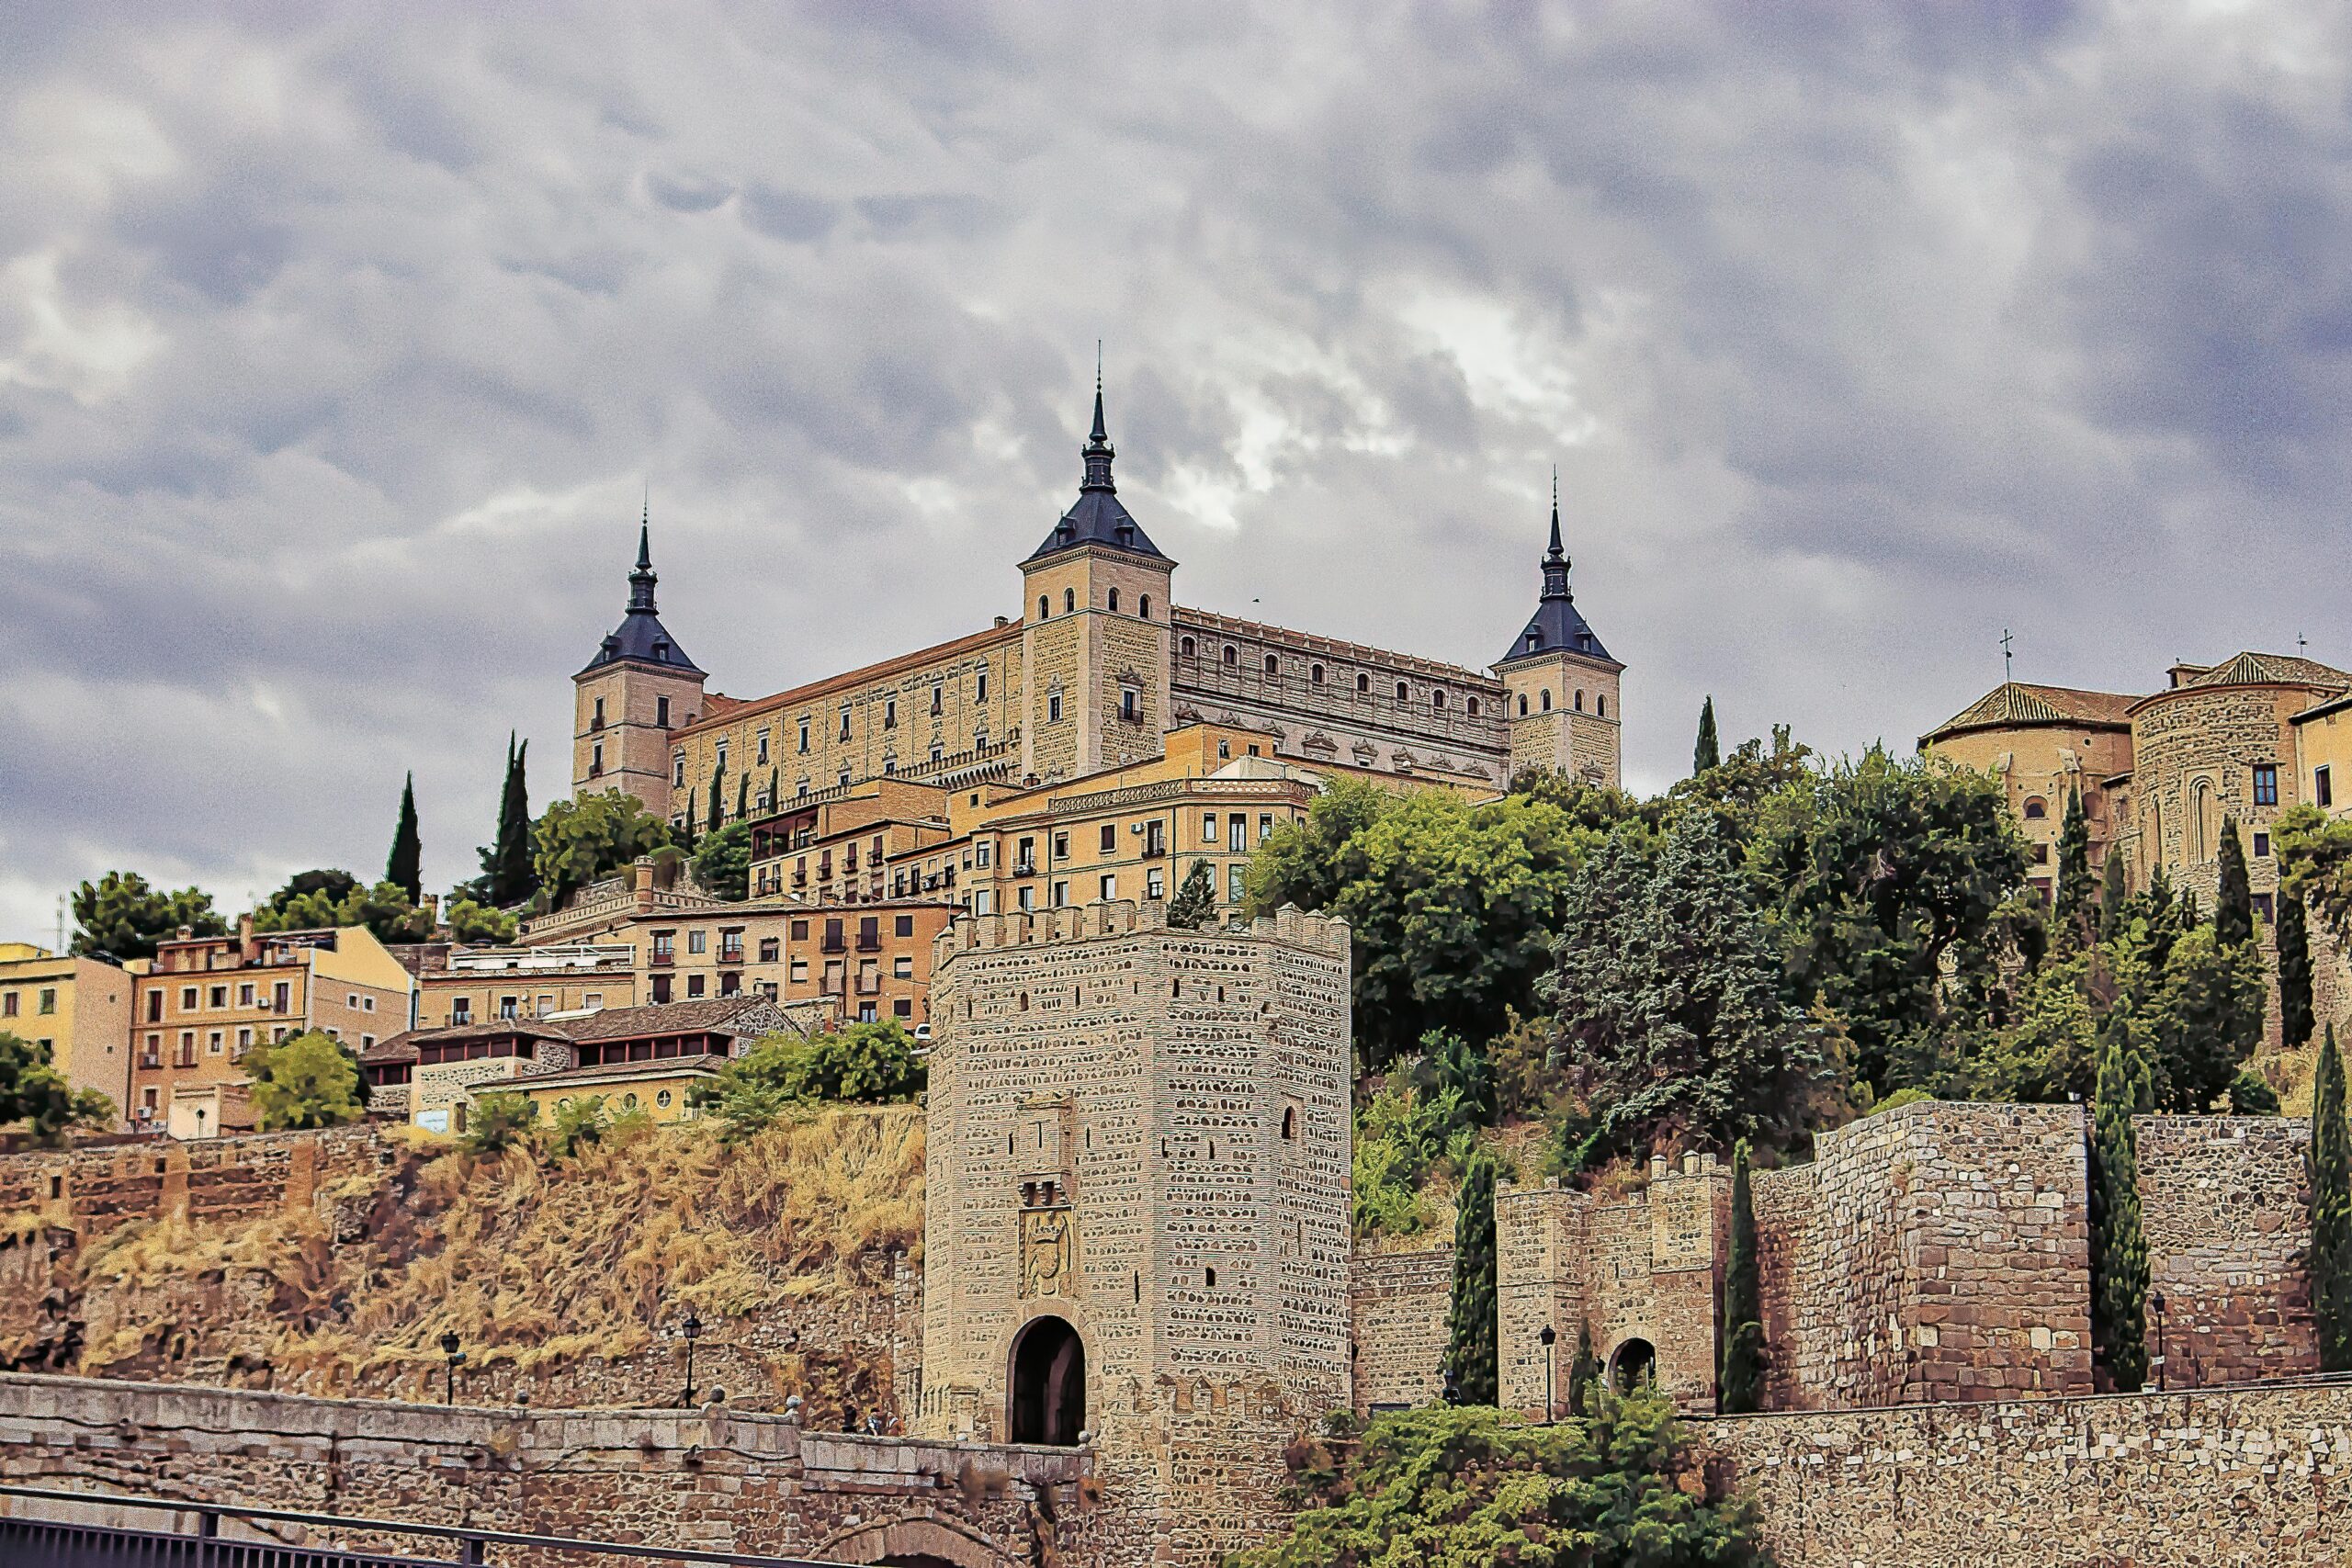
714, 1478
1936, 1251
2226, 1208
1399, 1302
2250, 1475
94, 1190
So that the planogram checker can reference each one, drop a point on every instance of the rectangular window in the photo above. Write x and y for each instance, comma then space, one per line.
661, 712
218, 997
903, 925
2261, 846
594, 1001
461, 1009
1110, 888
1053, 707
2263, 906
1061, 846
1236, 877
983, 902
244, 1039
2322, 787
1208, 827
1061, 893
1130, 703
869, 933
763, 746
1265, 825
845, 734
1110, 837
245, 995
697, 941
678, 770
834, 941
154, 1006
213, 1042
1238, 826
981, 694
891, 713
281, 996
1155, 883
769, 950
188, 999
902, 967
1155, 840
1026, 898
509, 1007
902, 1007
868, 1013
660, 989
8, 1005
2265, 783
695, 983
804, 736
799, 973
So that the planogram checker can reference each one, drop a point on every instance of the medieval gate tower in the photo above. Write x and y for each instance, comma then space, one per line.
1139, 1200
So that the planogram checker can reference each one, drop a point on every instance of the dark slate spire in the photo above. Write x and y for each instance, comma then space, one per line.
1097, 518
641, 637
1558, 627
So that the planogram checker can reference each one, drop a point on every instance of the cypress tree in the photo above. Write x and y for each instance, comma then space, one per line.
743, 795
1195, 905
2077, 918
1740, 1389
2330, 1169
513, 876
1584, 1372
718, 799
406, 867
1709, 752
2294, 972
686, 834
776, 789
1470, 1323
2111, 893
2233, 898
2119, 1249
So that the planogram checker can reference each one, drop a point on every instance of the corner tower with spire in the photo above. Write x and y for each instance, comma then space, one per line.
1563, 685
639, 688
1094, 631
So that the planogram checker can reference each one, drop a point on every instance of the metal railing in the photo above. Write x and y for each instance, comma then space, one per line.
40, 1542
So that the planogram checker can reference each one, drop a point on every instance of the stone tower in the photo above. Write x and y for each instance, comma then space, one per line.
1095, 644
1562, 683
639, 688
1137, 1213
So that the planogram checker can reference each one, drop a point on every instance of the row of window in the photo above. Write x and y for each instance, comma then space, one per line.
1231, 657
1070, 604
1543, 699
216, 1041
45, 1002
193, 999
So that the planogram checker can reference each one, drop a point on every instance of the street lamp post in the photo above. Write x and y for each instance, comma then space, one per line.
1550, 1337
692, 1329
454, 1357
2156, 1301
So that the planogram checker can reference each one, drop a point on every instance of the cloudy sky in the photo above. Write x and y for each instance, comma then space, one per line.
338, 345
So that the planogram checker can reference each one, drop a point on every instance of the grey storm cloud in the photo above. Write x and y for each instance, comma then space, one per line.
339, 348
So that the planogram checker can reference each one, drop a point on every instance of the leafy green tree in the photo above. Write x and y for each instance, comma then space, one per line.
1741, 1386
1470, 1324
1474, 1487
1463, 1073
508, 876
303, 1081
1452, 904
2049, 1048
717, 797
499, 1121
722, 862
2112, 891
2295, 1017
869, 1063
1668, 991
2315, 853
1195, 905
2234, 897
121, 918
1708, 752
1741, 783
2119, 1248
2075, 917
1402, 1132
34, 1094
577, 841
579, 1121
405, 867
1584, 1372
2251, 1095
2329, 1167
481, 924
384, 909
2202, 1019
333, 884
1892, 887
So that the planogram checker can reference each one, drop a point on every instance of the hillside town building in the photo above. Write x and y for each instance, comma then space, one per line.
77, 1010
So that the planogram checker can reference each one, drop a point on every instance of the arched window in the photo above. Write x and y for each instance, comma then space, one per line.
1602, 702
1364, 685
1044, 606
1522, 705
1579, 699
1315, 674
1472, 706
1185, 648
1547, 699
1437, 699
2036, 809
1273, 665
1143, 605
2200, 829
1232, 655
1115, 600
1290, 1122
1070, 600
1403, 692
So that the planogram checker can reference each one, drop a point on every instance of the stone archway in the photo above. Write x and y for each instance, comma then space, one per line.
1045, 1396
917, 1543
1631, 1364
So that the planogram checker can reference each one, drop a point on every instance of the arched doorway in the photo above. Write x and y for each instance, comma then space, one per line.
1048, 1390
1632, 1364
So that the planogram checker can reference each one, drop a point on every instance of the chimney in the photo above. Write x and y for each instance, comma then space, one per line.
245, 934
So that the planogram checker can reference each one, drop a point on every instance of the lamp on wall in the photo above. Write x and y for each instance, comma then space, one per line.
453, 1358
692, 1330
1550, 1337
2156, 1305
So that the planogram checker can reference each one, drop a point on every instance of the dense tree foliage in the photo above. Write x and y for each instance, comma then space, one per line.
2074, 915
576, 841
1470, 1321
1453, 904
874, 1063
35, 1095
722, 862
1740, 1384
2118, 1247
1473, 1486
499, 1121
478, 924
404, 867
2329, 1169
120, 917
304, 1081
1195, 905
2295, 1016
1668, 995
2233, 893
2315, 853
384, 909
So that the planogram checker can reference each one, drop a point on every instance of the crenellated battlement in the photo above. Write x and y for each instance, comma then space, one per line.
1290, 925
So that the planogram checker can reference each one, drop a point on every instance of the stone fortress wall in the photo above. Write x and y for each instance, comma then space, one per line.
1139, 1139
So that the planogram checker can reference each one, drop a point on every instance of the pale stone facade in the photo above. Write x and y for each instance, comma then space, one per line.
1137, 1159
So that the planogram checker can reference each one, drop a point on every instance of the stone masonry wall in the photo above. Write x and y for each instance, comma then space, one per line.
711, 1479
2227, 1213
2199, 1480
1398, 1303
92, 1191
